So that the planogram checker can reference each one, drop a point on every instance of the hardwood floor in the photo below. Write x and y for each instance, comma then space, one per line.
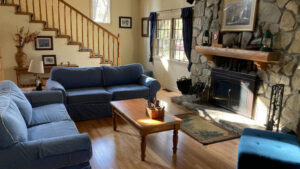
121, 149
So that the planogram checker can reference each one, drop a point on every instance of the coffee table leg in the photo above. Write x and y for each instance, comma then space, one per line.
175, 140
114, 120
143, 147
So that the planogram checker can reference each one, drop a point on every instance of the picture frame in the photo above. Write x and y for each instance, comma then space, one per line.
125, 22
44, 43
239, 15
49, 60
145, 27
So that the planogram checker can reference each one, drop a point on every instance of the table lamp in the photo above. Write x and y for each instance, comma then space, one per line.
37, 68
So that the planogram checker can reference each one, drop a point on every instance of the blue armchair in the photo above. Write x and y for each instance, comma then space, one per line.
88, 91
37, 132
269, 150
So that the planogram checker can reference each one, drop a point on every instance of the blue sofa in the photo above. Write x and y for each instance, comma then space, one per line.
88, 91
270, 150
37, 132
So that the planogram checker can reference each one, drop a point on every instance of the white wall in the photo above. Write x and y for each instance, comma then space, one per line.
166, 71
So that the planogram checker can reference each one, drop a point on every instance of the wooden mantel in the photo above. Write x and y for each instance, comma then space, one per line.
260, 59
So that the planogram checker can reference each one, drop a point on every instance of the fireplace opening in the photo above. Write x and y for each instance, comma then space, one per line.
233, 86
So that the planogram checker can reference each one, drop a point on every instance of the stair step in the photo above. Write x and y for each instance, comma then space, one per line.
24, 13
85, 50
8, 5
74, 43
50, 29
37, 21
62, 36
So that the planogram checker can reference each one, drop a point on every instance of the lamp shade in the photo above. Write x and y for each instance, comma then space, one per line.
36, 67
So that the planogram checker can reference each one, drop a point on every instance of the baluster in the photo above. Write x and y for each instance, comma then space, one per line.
98, 42
113, 50
40, 5
103, 46
33, 9
13, 2
20, 6
108, 48
65, 14
119, 43
88, 38
71, 25
77, 27
26, 5
46, 5
93, 38
58, 7
53, 19
82, 30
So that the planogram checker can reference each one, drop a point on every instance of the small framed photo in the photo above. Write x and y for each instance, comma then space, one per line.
145, 27
239, 15
49, 60
125, 22
44, 43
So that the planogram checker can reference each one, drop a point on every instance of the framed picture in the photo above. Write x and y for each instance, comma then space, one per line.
145, 27
125, 22
44, 43
239, 15
49, 60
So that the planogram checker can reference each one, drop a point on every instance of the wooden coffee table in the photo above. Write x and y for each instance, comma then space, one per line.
134, 112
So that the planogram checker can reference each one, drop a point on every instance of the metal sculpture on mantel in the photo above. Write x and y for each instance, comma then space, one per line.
275, 107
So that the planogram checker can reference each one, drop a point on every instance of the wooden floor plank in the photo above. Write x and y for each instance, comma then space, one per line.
121, 149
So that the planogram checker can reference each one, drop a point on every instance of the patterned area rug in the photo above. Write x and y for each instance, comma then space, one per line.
204, 131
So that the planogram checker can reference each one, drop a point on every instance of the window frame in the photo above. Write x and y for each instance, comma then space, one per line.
171, 41
92, 12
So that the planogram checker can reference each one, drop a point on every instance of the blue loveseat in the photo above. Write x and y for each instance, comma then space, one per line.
268, 150
88, 91
37, 132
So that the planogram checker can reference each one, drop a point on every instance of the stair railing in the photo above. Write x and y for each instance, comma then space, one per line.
68, 22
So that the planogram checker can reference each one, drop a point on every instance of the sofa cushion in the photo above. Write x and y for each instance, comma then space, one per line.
73, 78
51, 130
269, 149
120, 75
49, 113
131, 91
13, 128
88, 95
10, 89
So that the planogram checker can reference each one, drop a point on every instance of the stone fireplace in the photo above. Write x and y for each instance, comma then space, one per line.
282, 18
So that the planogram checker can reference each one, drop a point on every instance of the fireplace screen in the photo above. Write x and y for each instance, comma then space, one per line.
234, 91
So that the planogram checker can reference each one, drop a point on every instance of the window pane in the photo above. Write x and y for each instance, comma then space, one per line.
101, 11
178, 47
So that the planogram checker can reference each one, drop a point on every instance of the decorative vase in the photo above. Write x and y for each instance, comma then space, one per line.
21, 57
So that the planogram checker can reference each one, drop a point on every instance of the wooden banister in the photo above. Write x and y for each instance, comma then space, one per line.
68, 23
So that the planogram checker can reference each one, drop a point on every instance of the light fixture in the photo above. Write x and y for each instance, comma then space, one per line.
37, 67
266, 43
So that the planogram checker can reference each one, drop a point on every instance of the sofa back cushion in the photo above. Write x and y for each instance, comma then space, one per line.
13, 128
119, 75
74, 78
11, 90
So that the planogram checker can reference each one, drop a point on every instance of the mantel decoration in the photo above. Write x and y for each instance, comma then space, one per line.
21, 38
206, 38
239, 15
266, 44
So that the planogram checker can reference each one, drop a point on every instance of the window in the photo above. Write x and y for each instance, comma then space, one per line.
101, 11
170, 39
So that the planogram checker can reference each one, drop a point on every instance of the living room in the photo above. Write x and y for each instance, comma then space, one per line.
149, 84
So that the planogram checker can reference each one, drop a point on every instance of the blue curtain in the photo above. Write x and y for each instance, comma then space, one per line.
152, 19
187, 18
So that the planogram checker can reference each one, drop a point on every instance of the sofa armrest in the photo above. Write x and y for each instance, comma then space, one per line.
41, 98
54, 85
151, 83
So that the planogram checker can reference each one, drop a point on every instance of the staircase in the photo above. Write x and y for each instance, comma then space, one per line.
69, 23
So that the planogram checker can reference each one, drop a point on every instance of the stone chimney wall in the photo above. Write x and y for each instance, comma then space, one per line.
282, 18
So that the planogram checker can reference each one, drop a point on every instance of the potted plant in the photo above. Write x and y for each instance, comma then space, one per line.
21, 40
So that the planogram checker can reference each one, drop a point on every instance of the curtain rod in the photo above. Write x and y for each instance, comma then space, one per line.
167, 10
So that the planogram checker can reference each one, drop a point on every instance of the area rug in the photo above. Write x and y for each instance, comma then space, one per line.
204, 131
